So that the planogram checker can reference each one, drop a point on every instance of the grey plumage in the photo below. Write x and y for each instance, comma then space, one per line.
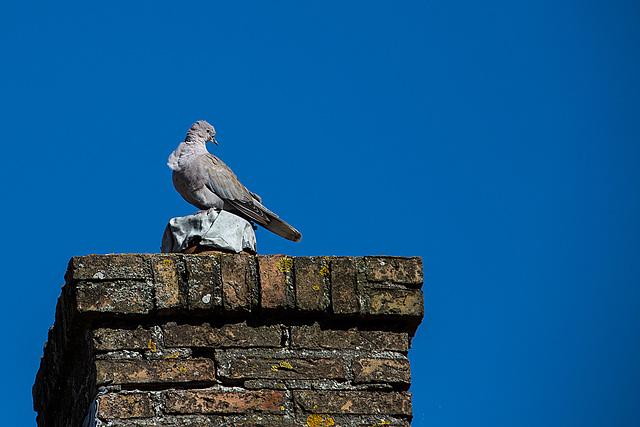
206, 182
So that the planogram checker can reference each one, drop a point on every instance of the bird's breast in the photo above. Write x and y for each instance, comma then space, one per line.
193, 189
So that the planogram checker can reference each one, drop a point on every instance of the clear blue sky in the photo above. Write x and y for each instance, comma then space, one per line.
498, 140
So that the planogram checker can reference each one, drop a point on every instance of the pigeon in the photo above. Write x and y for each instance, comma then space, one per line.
206, 182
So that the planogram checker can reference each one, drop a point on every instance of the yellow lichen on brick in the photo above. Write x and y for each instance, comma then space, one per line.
286, 365
316, 288
152, 346
320, 420
274, 368
324, 270
285, 264
173, 356
167, 262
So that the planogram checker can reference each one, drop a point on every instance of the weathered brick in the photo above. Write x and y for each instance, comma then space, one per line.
120, 297
275, 281
353, 402
391, 371
105, 339
245, 420
203, 281
311, 283
223, 401
382, 421
257, 420
229, 335
154, 371
236, 283
253, 365
322, 420
344, 294
125, 405
394, 269
65, 309
108, 267
166, 280
394, 302
313, 337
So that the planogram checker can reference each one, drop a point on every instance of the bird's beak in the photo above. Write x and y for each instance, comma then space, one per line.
214, 141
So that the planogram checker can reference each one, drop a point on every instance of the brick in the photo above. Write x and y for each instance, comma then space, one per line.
203, 281
313, 337
166, 280
394, 269
383, 421
252, 365
154, 371
390, 371
394, 302
275, 281
108, 267
237, 285
105, 339
320, 420
66, 308
254, 420
125, 405
245, 420
353, 402
229, 335
311, 283
120, 297
224, 401
344, 295
258, 420
356, 373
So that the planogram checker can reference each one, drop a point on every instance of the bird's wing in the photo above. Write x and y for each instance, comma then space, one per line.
220, 179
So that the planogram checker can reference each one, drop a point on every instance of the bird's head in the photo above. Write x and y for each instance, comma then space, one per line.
201, 131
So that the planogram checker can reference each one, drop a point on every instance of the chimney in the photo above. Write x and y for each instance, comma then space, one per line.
231, 340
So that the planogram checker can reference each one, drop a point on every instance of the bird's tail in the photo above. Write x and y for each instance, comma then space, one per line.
269, 220
282, 229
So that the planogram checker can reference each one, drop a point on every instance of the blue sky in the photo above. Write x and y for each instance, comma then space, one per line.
498, 140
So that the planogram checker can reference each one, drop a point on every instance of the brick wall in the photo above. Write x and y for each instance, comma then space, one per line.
226, 340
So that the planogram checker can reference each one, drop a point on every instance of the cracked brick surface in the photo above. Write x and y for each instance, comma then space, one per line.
231, 340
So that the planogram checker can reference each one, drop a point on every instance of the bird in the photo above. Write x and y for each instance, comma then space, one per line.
207, 182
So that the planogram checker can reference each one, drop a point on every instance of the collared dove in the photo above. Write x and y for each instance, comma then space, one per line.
207, 183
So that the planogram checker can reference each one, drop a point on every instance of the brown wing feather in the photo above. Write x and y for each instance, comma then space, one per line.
222, 181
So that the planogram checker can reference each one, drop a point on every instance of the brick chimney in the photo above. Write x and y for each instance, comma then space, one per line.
231, 340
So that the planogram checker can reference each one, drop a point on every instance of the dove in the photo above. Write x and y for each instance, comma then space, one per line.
207, 182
